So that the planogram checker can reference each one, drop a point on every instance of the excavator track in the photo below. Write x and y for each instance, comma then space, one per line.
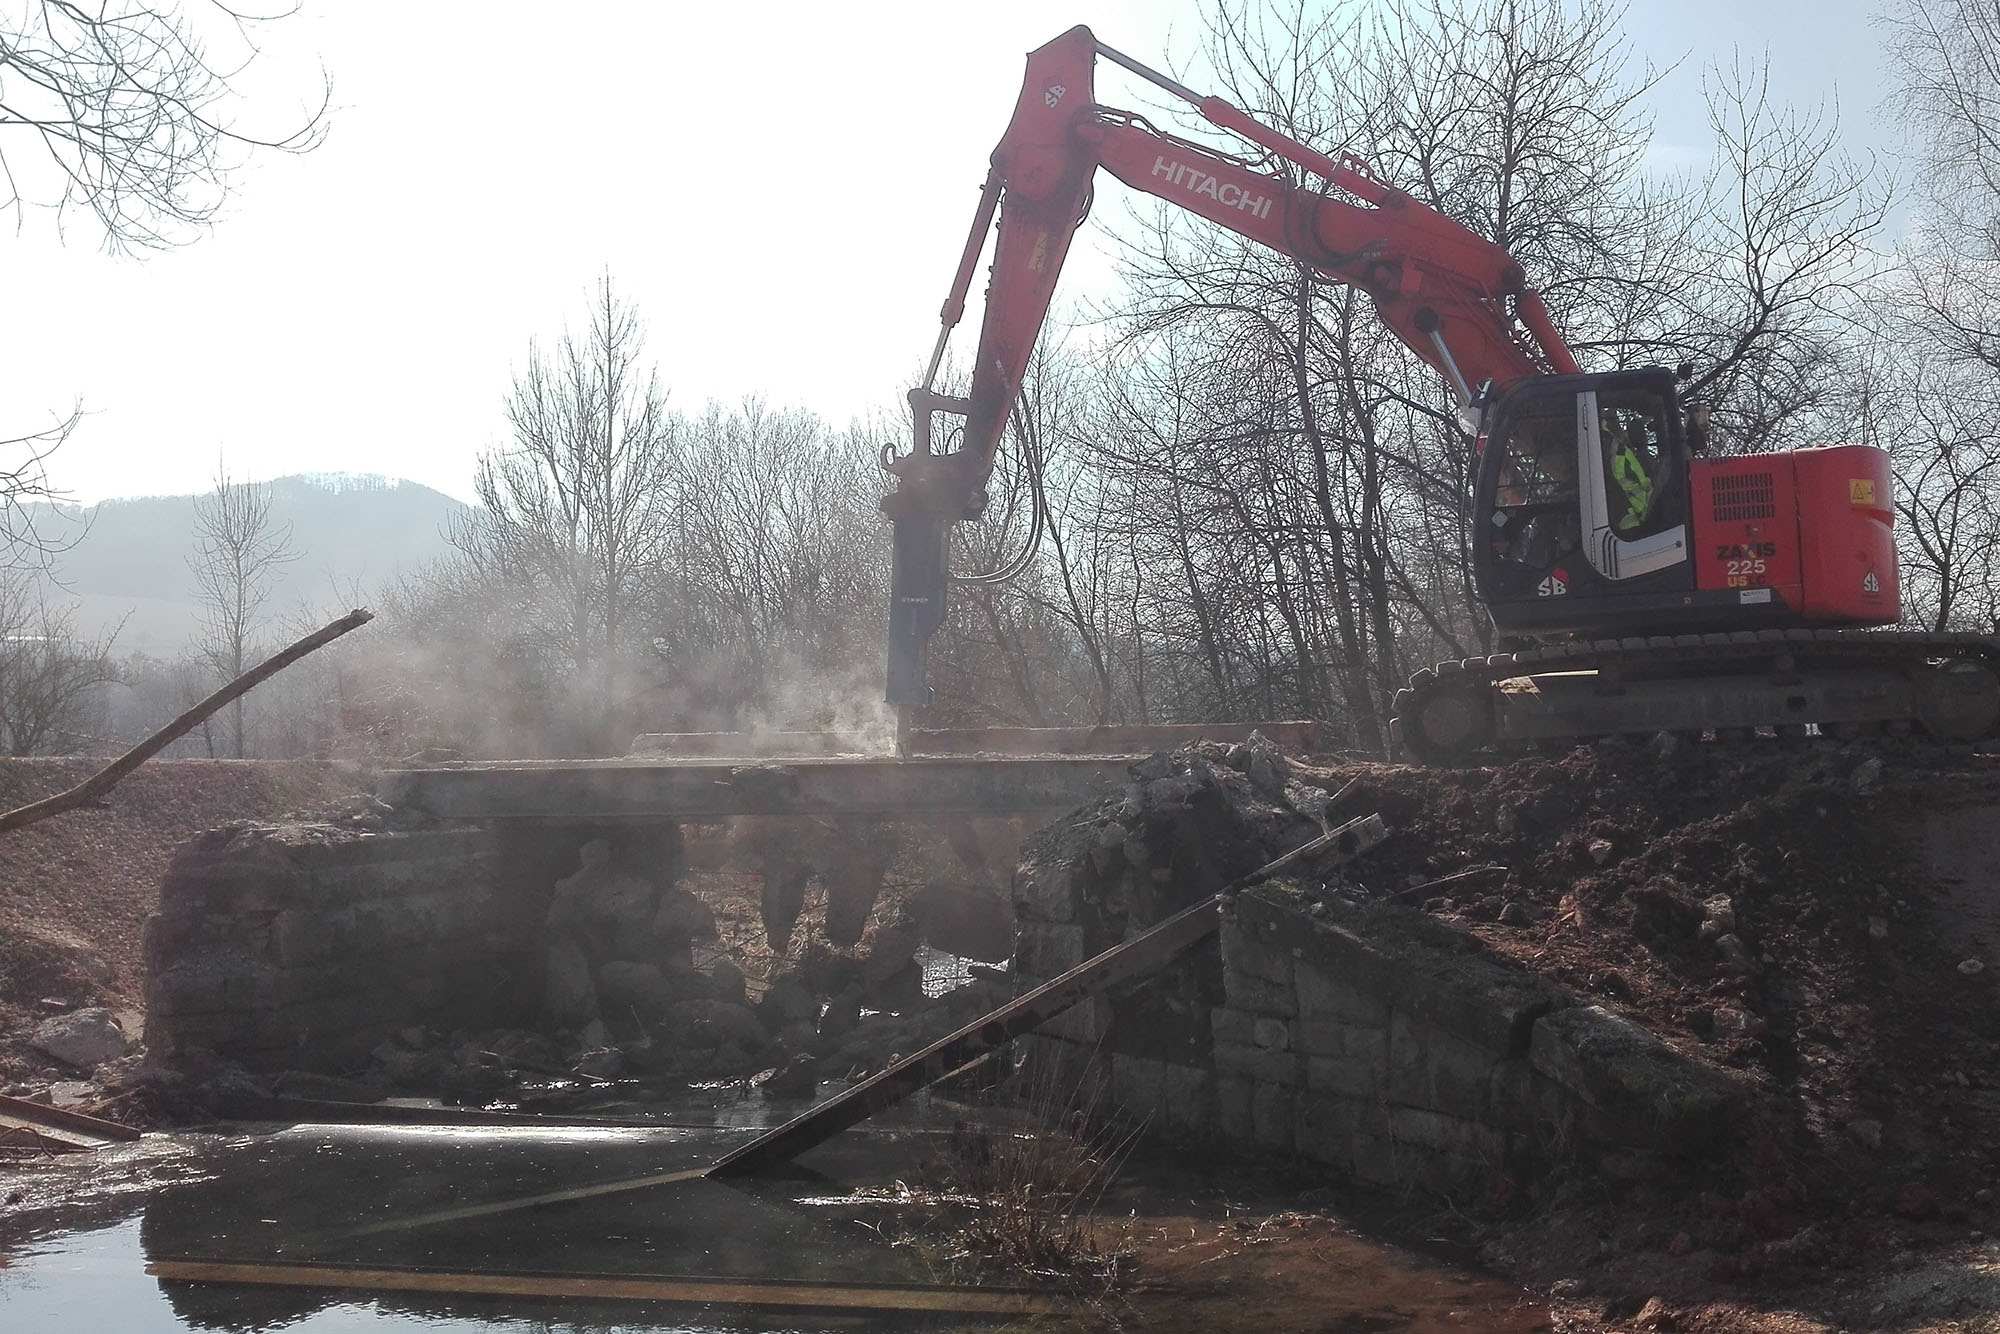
1735, 685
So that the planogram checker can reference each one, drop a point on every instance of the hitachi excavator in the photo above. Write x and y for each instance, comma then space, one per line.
1639, 586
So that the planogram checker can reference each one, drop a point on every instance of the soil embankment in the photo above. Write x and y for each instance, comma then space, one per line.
1808, 917
75, 890
1821, 920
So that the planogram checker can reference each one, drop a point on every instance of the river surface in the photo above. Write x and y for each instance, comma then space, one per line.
324, 1228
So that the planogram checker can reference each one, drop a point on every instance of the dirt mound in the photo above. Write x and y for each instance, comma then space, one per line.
75, 890
1774, 910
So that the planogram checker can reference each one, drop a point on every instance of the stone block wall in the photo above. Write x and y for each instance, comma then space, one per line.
302, 946
1367, 1037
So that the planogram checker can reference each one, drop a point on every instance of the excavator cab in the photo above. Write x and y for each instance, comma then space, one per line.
1581, 518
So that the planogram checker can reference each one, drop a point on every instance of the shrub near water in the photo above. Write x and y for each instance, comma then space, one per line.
1017, 1191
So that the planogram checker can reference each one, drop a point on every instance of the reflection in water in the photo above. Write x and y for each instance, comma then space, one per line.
343, 1195
333, 1195
95, 1281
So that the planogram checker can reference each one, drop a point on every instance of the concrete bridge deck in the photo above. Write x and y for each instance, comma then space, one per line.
690, 776
717, 789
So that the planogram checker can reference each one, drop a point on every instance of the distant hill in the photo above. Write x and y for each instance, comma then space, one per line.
349, 532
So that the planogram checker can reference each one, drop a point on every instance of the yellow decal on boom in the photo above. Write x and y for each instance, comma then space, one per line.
1860, 491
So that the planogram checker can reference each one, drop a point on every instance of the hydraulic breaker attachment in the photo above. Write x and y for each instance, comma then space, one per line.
932, 493
916, 605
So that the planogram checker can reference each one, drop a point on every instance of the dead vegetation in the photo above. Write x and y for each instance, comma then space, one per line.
1014, 1193
1020, 1185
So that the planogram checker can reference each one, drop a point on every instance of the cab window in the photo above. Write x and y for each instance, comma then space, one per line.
1535, 516
1538, 455
1640, 491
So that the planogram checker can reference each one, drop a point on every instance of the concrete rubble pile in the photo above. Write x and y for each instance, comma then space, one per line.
1190, 822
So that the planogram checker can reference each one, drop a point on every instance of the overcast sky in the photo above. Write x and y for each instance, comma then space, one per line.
781, 188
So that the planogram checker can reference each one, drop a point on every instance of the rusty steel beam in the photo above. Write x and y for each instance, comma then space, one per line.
79, 1128
716, 789
1143, 954
704, 1290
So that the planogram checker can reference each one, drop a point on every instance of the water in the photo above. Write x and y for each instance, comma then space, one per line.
942, 972
76, 1245
97, 1280
318, 1195
91, 1281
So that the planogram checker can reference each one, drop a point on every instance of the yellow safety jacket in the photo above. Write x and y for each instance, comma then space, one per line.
1629, 471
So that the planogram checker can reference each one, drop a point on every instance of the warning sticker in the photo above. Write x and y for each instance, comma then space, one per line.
1754, 595
1861, 491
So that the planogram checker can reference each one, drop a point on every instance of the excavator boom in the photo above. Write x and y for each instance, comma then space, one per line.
1457, 300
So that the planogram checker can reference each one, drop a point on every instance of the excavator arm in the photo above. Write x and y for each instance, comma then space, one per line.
1458, 301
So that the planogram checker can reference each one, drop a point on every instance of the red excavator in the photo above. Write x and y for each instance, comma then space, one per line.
1640, 586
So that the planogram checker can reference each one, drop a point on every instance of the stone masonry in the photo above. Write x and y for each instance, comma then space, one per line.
1365, 1036
302, 946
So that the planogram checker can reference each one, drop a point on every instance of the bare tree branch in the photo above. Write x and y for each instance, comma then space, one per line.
88, 791
131, 108
34, 527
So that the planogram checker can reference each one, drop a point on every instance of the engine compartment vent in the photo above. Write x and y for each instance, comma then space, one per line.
1739, 496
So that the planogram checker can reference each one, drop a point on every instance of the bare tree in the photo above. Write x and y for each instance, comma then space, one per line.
1759, 290
50, 676
1932, 389
1266, 510
1323, 474
750, 591
773, 576
152, 690
1937, 416
575, 512
302, 711
238, 551
34, 525
1944, 58
131, 106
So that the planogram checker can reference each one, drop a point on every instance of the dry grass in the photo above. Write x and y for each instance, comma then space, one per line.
1016, 1194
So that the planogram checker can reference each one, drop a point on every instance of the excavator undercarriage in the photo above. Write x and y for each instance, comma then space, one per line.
1788, 682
